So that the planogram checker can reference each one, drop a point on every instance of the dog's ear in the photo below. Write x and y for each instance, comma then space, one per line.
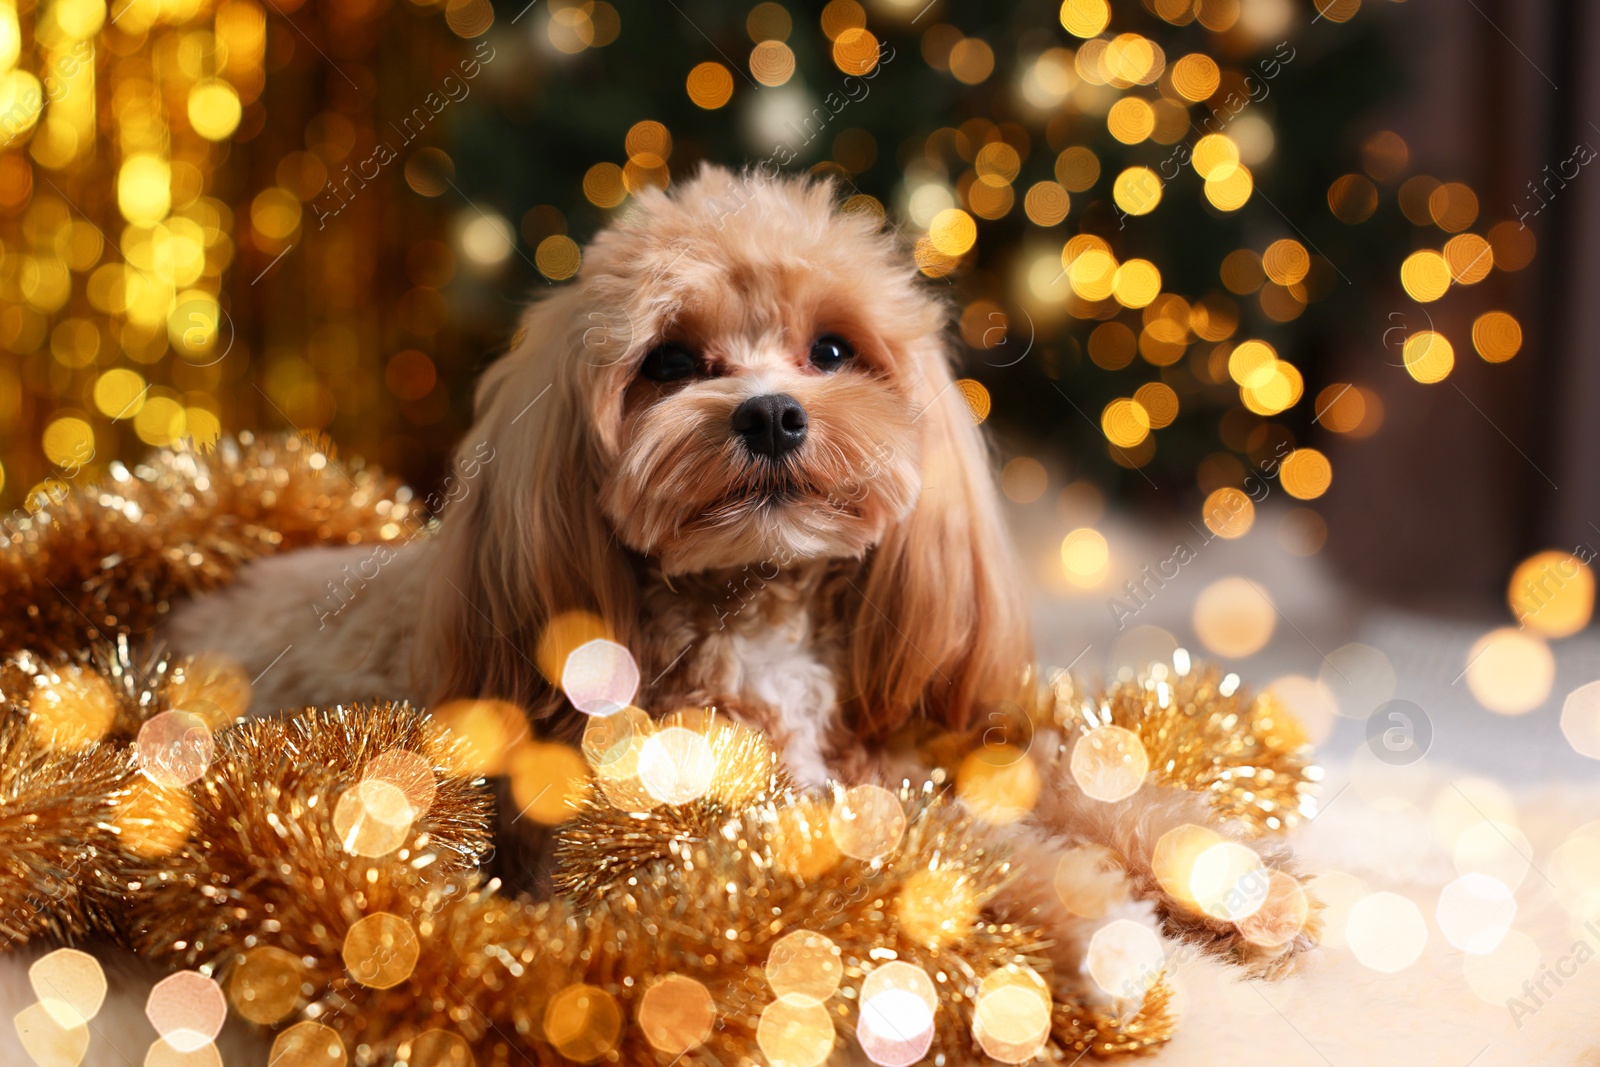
523, 540
941, 626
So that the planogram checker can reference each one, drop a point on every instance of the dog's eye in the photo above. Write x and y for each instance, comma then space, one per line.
829, 352
670, 362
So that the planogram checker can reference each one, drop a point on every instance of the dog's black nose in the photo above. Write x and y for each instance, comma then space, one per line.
771, 425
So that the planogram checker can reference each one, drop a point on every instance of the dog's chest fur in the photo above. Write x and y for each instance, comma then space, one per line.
766, 650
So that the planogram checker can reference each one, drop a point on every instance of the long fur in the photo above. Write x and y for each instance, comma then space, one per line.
595, 482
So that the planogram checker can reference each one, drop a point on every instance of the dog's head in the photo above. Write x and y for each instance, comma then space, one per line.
743, 375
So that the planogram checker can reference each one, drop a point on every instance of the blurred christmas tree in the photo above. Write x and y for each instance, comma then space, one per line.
1154, 219
1118, 194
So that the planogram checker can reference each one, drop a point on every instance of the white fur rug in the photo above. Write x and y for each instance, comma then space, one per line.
1448, 1008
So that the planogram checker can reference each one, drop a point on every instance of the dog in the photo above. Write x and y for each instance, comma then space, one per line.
736, 446
738, 443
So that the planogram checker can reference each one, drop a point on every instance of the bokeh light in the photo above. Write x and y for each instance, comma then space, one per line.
999, 783
187, 1010
676, 1014
264, 985
1089, 881
1510, 671
174, 748
1580, 720
308, 1044
867, 822
583, 1022
1011, 1019
1109, 763
600, 677
381, 950
1125, 958
1234, 617
898, 1007
676, 765
795, 1034
547, 778
804, 968
71, 986
1475, 913
47, 1042
1386, 932
1552, 594
1086, 557
1229, 881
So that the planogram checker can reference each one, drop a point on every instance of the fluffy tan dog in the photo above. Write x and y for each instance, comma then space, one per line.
737, 440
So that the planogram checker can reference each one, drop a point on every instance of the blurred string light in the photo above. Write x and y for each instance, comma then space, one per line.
129, 302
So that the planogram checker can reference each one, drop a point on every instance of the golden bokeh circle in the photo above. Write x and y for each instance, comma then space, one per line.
1305, 474
583, 1022
1001, 784
1109, 763
1196, 77
603, 185
1125, 422
557, 257
1497, 336
710, 85
1425, 275
804, 967
1085, 18
1429, 356
792, 1034
440, 1048
264, 985
855, 51
373, 818
676, 1014
481, 735
1510, 671
547, 779
1552, 593
211, 685
1085, 556
867, 822
937, 906
1228, 512
71, 986
772, 63
308, 1044
71, 708
1137, 190
953, 232
381, 950
1234, 617
1011, 1016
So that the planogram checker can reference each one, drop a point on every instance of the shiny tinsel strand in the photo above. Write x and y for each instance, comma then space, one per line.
738, 872
112, 559
58, 844
1203, 731
263, 857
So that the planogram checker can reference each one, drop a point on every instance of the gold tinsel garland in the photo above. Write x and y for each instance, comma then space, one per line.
251, 874
1204, 731
112, 559
58, 845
